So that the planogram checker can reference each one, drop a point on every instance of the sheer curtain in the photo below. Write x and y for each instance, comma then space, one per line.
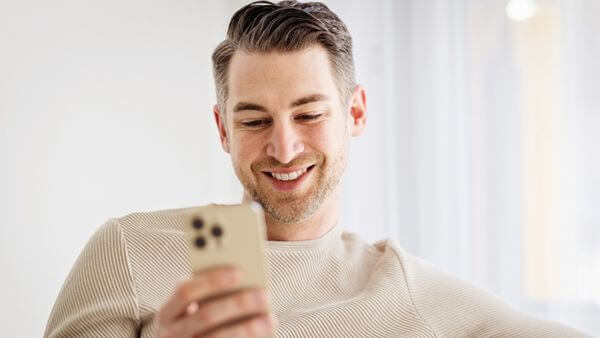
483, 137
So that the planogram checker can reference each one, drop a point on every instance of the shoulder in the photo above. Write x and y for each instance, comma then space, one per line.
98, 289
456, 307
118, 236
154, 237
152, 229
148, 230
154, 221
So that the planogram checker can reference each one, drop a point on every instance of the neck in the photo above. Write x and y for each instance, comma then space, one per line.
317, 225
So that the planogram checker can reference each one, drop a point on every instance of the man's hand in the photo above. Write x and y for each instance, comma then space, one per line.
198, 308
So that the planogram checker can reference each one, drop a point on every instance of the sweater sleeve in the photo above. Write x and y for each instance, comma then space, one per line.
98, 297
456, 308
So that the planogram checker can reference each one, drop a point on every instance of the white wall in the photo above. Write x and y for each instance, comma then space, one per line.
105, 109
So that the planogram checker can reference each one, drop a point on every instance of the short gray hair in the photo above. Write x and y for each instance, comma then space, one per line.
263, 26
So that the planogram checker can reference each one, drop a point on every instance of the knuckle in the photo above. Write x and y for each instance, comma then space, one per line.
244, 300
206, 316
223, 277
214, 280
183, 292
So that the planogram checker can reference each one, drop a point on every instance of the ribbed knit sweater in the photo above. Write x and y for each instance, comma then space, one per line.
334, 286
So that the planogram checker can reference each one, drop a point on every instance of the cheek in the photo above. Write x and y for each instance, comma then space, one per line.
327, 137
246, 149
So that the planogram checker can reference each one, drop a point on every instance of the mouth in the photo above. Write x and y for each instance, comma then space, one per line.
288, 179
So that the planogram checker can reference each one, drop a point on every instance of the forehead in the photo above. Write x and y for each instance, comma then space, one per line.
278, 78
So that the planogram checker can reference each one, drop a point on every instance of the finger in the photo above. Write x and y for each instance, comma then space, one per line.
207, 283
220, 311
258, 326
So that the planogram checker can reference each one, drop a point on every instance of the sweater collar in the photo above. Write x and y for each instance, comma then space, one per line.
308, 245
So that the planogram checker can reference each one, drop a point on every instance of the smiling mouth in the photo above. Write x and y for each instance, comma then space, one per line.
291, 176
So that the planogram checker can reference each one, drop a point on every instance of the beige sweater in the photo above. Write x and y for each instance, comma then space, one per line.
334, 286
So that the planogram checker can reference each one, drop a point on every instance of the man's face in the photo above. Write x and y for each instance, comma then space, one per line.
286, 130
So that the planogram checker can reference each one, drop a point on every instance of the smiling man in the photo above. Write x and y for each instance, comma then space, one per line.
287, 106
286, 128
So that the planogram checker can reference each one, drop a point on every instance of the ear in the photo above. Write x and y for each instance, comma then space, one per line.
357, 118
220, 121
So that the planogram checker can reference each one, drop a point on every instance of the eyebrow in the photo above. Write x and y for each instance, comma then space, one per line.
309, 99
241, 106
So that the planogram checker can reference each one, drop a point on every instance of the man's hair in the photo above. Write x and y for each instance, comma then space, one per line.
287, 26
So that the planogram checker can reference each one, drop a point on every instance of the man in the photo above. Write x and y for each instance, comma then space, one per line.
287, 105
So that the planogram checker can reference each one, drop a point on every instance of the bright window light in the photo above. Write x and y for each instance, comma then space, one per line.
519, 10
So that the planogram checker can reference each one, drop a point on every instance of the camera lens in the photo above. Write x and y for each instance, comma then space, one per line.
198, 223
200, 241
217, 231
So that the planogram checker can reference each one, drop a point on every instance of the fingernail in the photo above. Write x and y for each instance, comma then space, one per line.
192, 308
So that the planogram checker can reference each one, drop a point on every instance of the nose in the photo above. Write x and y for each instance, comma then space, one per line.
284, 143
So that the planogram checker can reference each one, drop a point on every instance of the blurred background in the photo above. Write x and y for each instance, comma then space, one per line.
478, 155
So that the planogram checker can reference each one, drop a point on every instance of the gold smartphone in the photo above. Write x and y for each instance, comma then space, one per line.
232, 235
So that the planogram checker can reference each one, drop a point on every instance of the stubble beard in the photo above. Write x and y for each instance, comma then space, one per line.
291, 207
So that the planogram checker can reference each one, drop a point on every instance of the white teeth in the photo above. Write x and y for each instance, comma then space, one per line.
290, 176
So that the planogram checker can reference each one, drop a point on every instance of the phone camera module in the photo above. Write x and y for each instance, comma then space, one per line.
200, 242
198, 223
217, 231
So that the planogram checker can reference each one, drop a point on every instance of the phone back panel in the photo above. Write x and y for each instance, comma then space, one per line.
229, 235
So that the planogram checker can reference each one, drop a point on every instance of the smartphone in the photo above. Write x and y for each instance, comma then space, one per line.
232, 235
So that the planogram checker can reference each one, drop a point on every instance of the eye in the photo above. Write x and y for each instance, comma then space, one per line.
308, 117
255, 123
